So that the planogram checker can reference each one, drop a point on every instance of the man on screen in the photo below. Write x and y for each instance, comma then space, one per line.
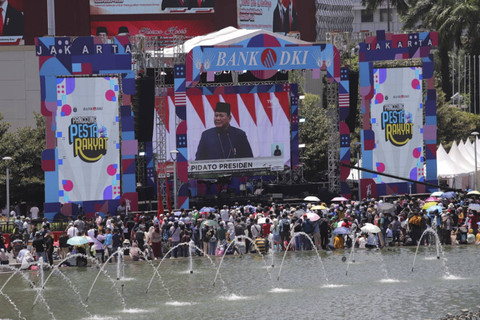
223, 141
176, 4
284, 17
12, 20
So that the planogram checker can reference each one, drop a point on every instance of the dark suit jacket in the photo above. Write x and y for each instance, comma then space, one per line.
13, 25
229, 144
279, 26
176, 4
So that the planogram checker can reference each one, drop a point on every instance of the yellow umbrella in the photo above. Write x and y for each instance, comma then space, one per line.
474, 192
428, 205
318, 208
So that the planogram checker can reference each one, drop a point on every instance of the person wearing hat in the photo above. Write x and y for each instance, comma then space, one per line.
223, 141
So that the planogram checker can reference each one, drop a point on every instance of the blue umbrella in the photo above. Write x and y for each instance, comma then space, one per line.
448, 195
207, 209
77, 241
341, 230
433, 208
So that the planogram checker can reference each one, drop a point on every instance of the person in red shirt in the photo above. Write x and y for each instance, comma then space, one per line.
266, 228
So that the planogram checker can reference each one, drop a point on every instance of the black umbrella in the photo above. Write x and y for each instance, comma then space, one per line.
386, 208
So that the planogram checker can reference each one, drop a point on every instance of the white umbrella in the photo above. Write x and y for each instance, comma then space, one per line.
312, 199
474, 206
339, 199
370, 228
437, 194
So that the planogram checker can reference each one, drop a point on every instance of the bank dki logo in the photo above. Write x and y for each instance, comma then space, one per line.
397, 124
269, 58
88, 139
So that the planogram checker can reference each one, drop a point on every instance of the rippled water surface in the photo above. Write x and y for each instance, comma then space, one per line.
379, 285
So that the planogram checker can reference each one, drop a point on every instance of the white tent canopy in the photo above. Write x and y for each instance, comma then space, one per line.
458, 166
225, 37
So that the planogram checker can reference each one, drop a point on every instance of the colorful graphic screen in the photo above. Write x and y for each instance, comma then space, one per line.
397, 121
88, 143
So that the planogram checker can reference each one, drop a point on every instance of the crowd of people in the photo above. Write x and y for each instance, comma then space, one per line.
243, 229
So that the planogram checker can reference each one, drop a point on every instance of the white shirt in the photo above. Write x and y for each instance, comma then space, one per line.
34, 212
4, 6
72, 232
224, 214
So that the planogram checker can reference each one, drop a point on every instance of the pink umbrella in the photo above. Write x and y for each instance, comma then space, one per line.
312, 216
432, 199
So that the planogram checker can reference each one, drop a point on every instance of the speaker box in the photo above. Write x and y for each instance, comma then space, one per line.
353, 115
143, 108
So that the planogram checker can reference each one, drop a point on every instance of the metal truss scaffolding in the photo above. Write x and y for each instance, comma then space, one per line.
333, 138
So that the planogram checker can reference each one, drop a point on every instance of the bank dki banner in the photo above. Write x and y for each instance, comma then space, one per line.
397, 121
88, 142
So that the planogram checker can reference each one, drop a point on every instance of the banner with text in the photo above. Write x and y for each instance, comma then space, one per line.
397, 121
163, 28
276, 16
88, 143
106, 7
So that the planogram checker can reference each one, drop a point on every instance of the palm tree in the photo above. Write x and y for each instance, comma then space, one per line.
457, 24
401, 6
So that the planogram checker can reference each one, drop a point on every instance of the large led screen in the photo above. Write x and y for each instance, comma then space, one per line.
397, 121
234, 132
88, 143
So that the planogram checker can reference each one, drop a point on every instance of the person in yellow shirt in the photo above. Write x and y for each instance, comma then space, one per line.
477, 238
339, 242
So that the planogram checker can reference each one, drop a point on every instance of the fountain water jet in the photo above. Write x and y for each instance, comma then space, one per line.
191, 245
296, 234
438, 247
232, 243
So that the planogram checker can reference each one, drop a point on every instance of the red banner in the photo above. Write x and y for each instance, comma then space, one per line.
164, 28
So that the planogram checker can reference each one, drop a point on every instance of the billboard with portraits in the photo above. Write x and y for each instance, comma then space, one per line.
274, 15
233, 131
108, 7
153, 28
12, 28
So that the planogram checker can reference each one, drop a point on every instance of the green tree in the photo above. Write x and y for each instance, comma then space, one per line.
25, 146
457, 24
453, 123
400, 5
313, 133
